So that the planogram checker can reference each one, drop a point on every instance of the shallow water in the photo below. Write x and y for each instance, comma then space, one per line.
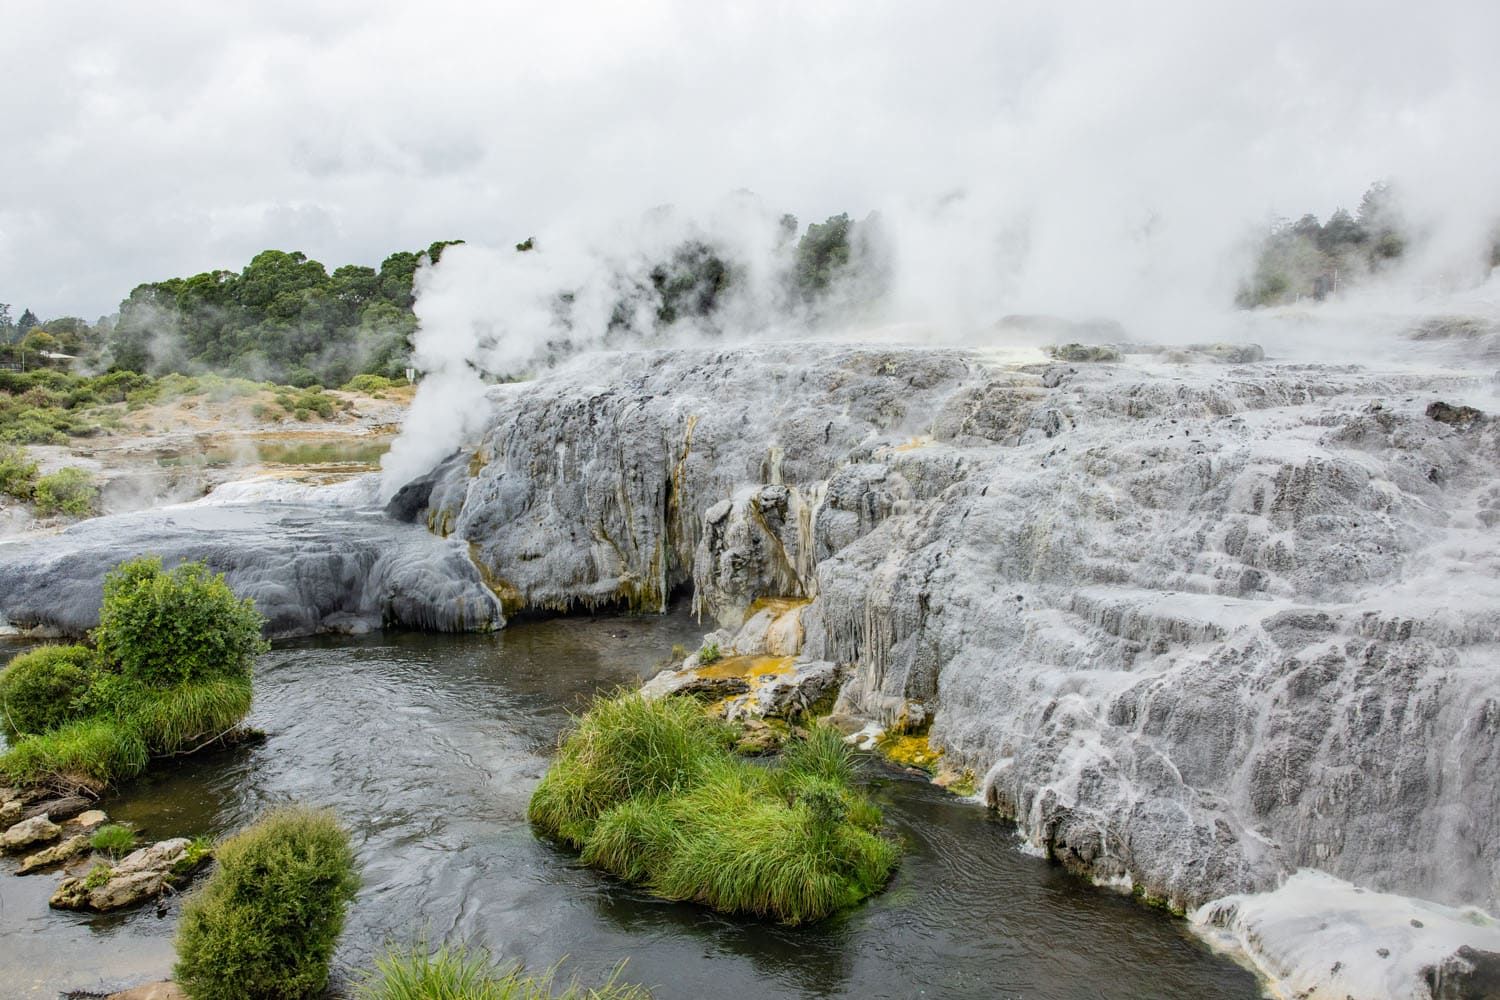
428, 746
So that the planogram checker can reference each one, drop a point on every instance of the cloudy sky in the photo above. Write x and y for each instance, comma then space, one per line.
145, 140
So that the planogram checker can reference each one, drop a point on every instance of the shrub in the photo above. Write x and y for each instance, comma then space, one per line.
113, 839
66, 491
168, 627
17, 474
39, 690
265, 923
649, 791
370, 385
710, 654
453, 973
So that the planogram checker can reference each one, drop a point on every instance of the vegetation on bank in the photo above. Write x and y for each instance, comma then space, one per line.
455, 973
651, 791
47, 406
169, 671
264, 925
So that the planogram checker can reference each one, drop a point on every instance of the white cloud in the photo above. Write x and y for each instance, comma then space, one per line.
154, 139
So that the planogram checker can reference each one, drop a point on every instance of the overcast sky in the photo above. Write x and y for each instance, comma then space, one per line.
146, 140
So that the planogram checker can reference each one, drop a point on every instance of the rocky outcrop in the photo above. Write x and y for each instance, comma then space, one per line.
1195, 624
333, 564
142, 875
1186, 623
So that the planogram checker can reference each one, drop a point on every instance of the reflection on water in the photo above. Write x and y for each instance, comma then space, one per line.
429, 746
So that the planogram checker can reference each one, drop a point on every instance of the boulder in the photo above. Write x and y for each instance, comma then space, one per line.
36, 830
55, 855
142, 875
59, 809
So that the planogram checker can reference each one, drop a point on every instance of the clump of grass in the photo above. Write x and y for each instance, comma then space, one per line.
455, 973
113, 839
265, 923
710, 654
649, 791
89, 752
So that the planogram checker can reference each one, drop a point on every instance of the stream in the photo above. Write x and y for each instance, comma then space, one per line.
428, 747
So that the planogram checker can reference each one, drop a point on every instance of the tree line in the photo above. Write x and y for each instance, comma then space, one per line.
285, 318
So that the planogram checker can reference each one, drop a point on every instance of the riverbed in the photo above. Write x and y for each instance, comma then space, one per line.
428, 747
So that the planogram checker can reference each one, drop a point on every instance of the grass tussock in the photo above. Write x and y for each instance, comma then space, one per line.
131, 724
650, 791
454, 973
265, 923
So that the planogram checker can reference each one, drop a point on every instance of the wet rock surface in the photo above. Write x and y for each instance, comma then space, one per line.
313, 565
142, 875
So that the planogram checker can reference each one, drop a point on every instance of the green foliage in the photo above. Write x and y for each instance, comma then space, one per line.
282, 313
263, 926
39, 689
92, 751
169, 627
68, 491
97, 876
17, 473
454, 973
709, 654
372, 385
649, 791
1308, 259
113, 839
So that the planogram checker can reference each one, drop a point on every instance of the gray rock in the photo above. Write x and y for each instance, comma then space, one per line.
143, 874
1196, 627
55, 855
59, 809
37, 830
310, 567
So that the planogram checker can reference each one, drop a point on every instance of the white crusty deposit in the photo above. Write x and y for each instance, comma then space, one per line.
1196, 625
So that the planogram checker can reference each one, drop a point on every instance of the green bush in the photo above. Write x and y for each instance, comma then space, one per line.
168, 627
649, 791
453, 973
171, 674
265, 923
67, 491
371, 385
710, 654
17, 473
39, 690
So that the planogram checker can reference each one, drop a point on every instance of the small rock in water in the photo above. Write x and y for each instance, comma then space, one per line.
56, 855
37, 830
142, 875
89, 820
58, 810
